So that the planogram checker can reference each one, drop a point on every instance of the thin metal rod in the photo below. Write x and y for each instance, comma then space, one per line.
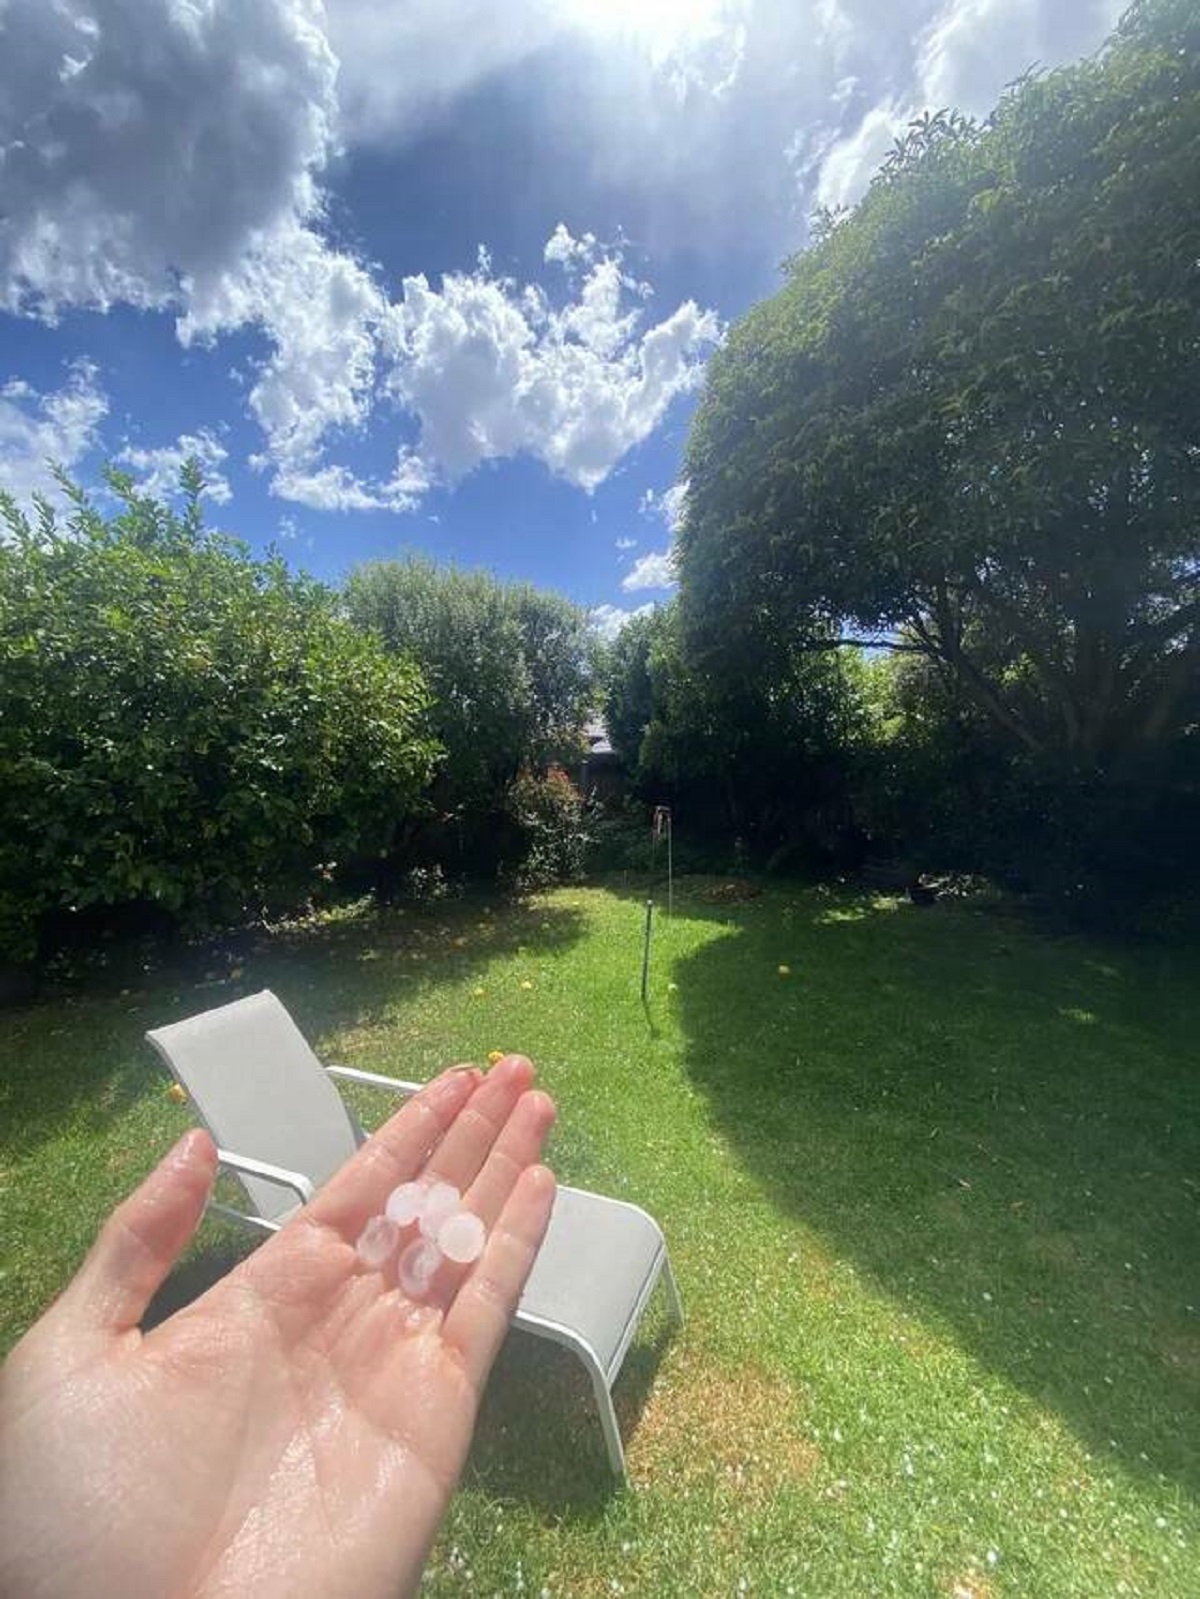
646, 950
670, 870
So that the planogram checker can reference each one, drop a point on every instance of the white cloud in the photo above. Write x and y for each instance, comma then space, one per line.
850, 163
654, 571
669, 506
402, 64
157, 471
322, 310
627, 544
961, 56
567, 251
972, 48
36, 428
490, 370
147, 147
334, 488
169, 154
608, 620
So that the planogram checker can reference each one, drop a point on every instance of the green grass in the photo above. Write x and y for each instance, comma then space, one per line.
931, 1199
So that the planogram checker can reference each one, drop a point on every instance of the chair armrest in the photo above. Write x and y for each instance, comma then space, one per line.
296, 1181
351, 1074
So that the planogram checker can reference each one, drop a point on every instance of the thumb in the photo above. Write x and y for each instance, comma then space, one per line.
143, 1238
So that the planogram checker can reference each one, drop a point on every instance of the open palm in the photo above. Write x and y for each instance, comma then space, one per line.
298, 1429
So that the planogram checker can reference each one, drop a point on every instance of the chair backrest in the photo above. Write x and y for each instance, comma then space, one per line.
260, 1091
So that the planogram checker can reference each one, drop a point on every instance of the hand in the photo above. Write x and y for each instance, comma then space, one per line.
297, 1430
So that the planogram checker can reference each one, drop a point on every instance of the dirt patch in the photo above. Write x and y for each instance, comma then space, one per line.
703, 1422
971, 1586
1057, 1249
733, 892
1181, 1351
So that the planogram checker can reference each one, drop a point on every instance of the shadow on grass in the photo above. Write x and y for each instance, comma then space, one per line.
1001, 1128
78, 1056
538, 1439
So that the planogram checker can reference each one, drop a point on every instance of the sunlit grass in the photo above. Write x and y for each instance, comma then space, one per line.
931, 1197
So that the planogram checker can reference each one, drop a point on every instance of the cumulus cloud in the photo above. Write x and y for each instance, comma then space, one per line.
169, 156
37, 428
626, 544
147, 146
334, 488
654, 571
322, 310
491, 369
608, 620
156, 472
402, 64
669, 506
960, 55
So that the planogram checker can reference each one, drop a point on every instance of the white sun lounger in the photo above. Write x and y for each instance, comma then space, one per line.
282, 1127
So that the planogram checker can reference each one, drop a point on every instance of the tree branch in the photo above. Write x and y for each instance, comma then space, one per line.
894, 645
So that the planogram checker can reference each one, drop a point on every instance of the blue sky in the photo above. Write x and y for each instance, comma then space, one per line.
439, 276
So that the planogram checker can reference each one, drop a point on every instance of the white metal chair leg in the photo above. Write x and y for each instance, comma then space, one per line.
674, 1298
608, 1421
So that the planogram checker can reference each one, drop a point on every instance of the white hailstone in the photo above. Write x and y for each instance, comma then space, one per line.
441, 1200
460, 1237
376, 1242
405, 1203
417, 1267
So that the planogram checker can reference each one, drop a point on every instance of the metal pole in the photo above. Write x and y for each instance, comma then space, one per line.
646, 950
670, 868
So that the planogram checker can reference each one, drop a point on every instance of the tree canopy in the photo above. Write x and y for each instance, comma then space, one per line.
508, 664
184, 726
968, 423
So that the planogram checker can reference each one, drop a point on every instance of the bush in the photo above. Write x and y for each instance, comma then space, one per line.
550, 826
182, 726
508, 666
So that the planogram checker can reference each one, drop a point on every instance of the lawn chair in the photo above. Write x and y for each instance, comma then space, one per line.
282, 1127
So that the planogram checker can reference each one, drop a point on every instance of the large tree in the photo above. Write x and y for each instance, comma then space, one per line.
969, 423
508, 665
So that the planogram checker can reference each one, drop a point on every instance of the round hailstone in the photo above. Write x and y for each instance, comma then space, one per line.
376, 1242
461, 1236
417, 1266
405, 1203
441, 1200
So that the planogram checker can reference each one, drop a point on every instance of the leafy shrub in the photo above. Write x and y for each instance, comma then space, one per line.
620, 841
550, 824
508, 666
182, 725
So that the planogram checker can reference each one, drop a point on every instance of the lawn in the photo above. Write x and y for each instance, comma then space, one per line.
931, 1196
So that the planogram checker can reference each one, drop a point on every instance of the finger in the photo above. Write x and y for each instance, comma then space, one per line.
519, 1145
483, 1309
395, 1154
461, 1154
144, 1236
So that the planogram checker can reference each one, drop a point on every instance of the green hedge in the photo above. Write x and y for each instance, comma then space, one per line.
183, 725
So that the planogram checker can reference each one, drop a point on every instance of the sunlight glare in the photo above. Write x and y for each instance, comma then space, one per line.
661, 24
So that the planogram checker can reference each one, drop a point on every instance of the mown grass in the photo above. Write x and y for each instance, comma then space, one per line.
931, 1198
